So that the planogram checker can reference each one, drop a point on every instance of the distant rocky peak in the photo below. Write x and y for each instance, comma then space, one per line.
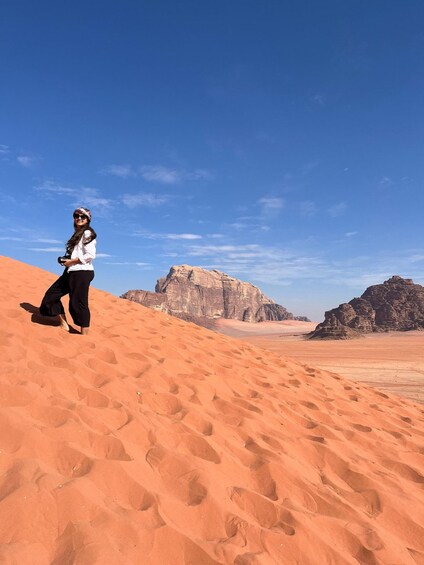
396, 279
196, 293
395, 305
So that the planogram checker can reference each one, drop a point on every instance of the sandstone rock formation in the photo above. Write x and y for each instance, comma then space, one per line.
395, 305
199, 295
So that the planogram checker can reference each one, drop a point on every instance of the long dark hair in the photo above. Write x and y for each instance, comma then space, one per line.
77, 235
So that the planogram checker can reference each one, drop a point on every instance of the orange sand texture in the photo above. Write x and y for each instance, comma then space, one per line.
154, 441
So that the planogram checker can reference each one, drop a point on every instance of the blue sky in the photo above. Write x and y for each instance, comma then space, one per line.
280, 142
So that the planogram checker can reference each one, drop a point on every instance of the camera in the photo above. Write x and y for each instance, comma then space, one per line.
62, 259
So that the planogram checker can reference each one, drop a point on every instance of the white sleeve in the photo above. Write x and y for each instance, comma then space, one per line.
88, 252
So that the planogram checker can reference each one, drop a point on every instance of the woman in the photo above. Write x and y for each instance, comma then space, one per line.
77, 276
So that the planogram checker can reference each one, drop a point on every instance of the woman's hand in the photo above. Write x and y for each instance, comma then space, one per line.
70, 262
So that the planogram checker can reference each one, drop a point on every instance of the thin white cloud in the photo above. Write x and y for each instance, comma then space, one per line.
308, 208
160, 174
51, 187
272, 265
7, 154
92, 198
238, 225
144, 199
172, 236
166, 175
308, 167
136, 263
319, 99
9, 199
26, 160
250, 223
337, 210
416, 258
386, 182
81, 195
260, 263
271, 206
360, 281
351, 233
47, 249
189, 236
197, 174
272, 203
212, 250
157, 173
31, 239
122, 171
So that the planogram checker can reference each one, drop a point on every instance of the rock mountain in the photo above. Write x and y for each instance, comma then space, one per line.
200, 296
395, 305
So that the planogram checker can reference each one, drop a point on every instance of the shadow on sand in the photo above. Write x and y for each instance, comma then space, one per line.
37, 318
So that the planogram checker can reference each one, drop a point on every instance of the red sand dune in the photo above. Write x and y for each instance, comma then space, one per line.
155, 441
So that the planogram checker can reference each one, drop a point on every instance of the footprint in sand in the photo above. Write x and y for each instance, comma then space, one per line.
109, 447
254, 394
247, 405
365, 540
162, 403
404, 471
263, 511
104, 368
318, 439
18, 474
181, 480
52, 415
361, 428
272, 442
93, 398
199, 447
309, 405
406, 419
295, 382
198, 423
73, 463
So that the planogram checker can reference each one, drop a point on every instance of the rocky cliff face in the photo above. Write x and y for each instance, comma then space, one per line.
196, 294
397, 305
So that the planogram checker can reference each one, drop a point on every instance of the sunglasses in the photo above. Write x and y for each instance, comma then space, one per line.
80, 217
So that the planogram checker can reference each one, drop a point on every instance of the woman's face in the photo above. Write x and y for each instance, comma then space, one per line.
80, 220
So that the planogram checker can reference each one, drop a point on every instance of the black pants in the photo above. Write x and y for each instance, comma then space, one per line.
76, 284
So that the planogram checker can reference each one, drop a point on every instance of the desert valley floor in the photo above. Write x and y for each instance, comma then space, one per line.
393, 361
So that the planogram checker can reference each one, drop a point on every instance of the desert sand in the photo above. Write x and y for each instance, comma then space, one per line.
392, 362
155, 441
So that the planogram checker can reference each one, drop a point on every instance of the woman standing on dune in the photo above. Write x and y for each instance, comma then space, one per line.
77, 276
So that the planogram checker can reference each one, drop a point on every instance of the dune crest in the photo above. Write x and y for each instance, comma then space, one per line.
155, 441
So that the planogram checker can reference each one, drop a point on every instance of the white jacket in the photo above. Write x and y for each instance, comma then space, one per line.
85, 251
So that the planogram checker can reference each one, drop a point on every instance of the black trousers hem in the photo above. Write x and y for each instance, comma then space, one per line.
76, 284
